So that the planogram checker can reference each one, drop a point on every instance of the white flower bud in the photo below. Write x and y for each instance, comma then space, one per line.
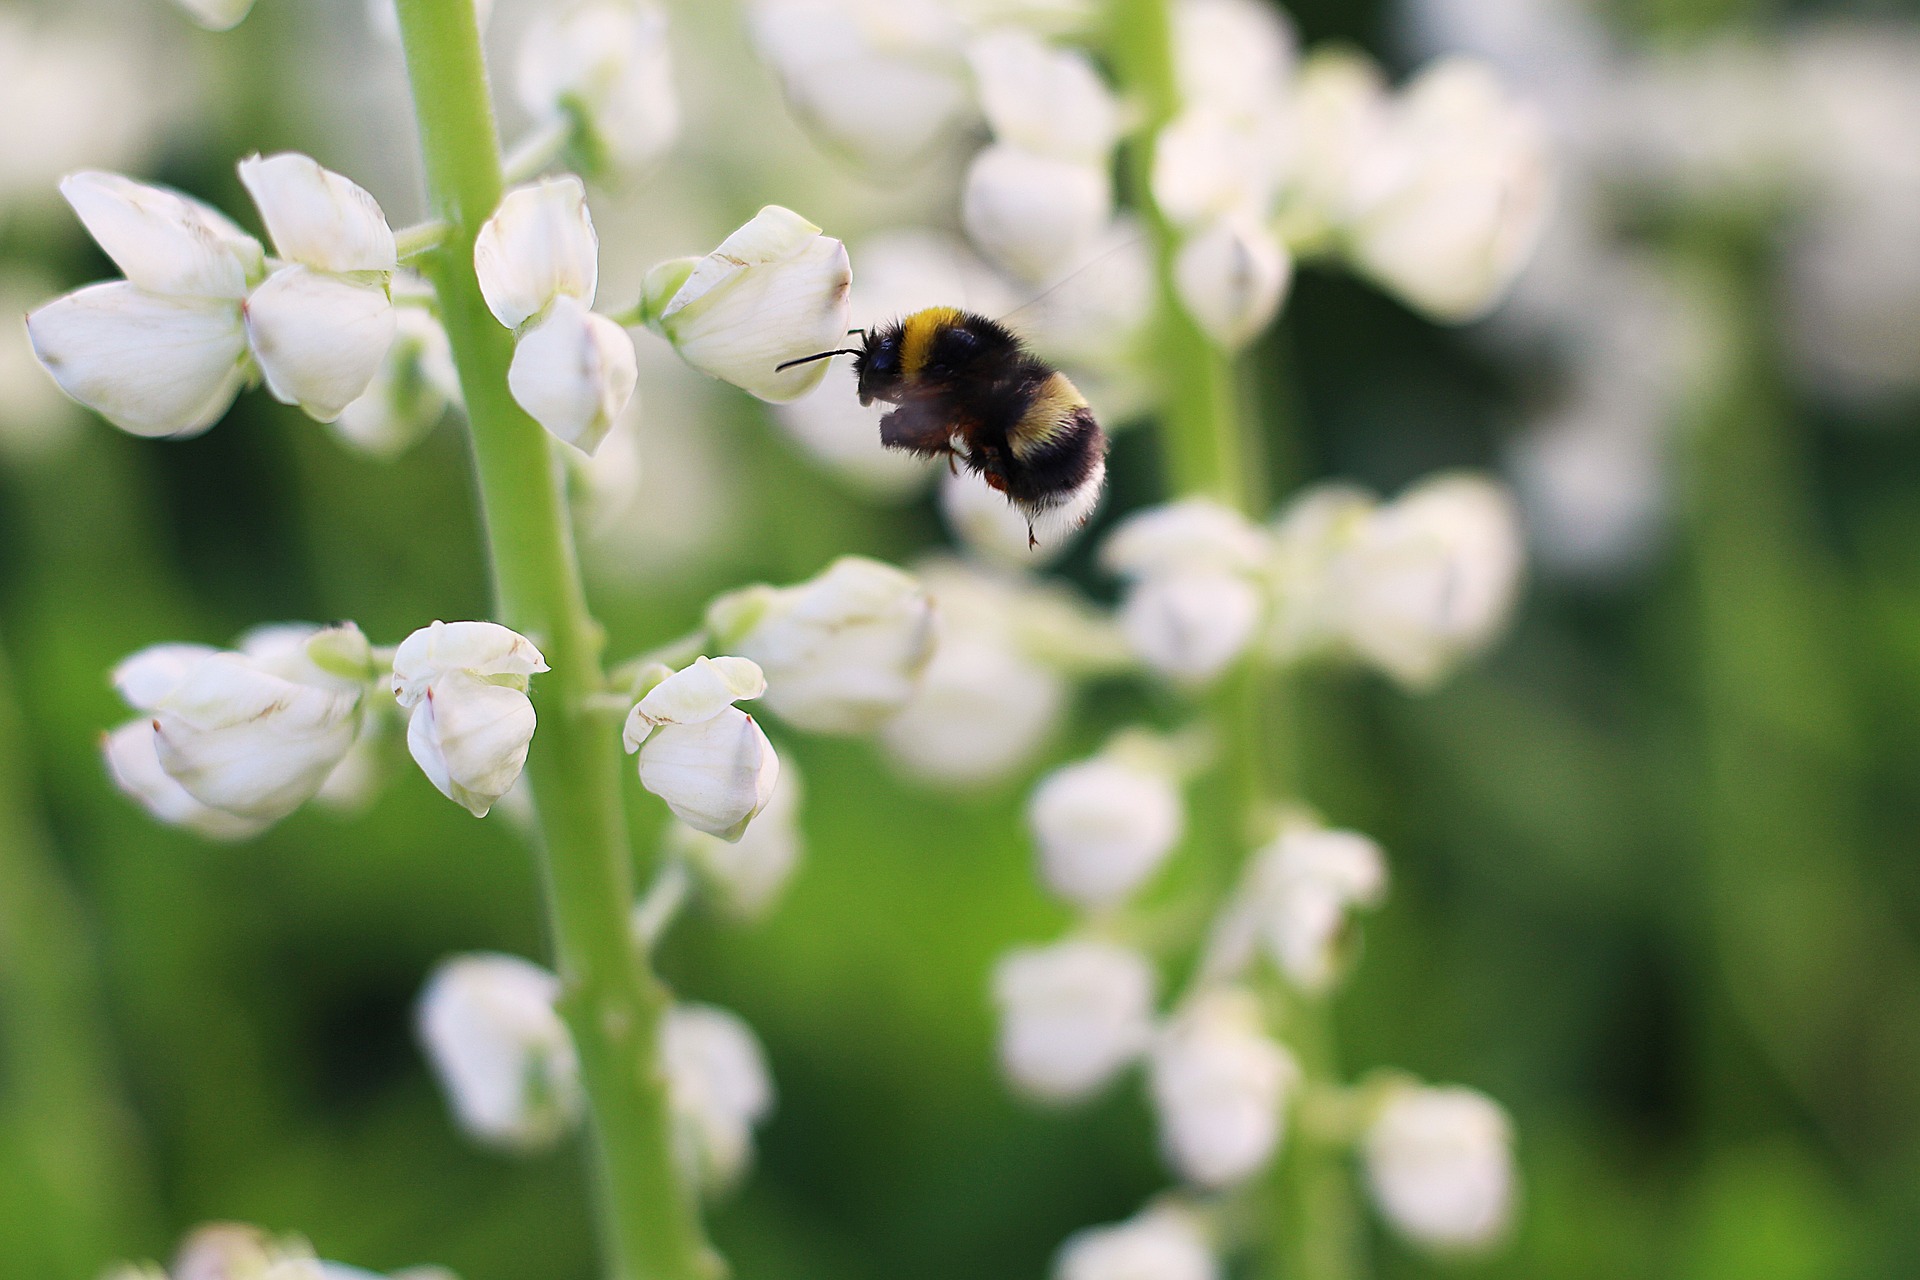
775, 290
151, 365
1072, 1015
1044, 100
1159, 1244
1304, 884
217, 15
1440, 1162
842, 651
319, 338
134, 761
1432, 577
750, 873
1220, 1088
1342, 111
1453, 233
253, 733
486, 650
1030, 212
316, 217
1319, 526
701, 754
1232, 278
573, 372
470, 721
1194, 604
224, 1251
411, 391
538, 245
1104, 826
163, 241
607, 63
1236, 55
501, 1051
982, 710
1207, 165
720, 1089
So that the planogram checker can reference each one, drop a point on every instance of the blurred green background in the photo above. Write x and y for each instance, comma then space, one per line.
1654, 875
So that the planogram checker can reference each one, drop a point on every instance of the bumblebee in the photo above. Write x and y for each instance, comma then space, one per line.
964, 387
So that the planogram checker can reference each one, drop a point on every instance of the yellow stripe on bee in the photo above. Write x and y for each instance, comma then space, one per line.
917, 333
1045, 419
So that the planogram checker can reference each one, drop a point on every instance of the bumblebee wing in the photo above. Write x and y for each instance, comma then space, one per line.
919, 425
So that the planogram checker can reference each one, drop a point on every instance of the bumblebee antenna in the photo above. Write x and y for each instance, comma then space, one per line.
818, 355
1072, 275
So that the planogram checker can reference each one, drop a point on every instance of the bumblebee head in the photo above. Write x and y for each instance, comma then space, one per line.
876, 362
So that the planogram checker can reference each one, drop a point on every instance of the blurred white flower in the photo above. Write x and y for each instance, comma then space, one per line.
1042, 99
1232, 277
605, 65
1304, 884
217, 15
538, 245
74, 95
774, 291
698, 752
842, 651
1104, 826
252, 732
163, 352
501, 1052
750, 873
883, 81
1312, 531
412, 390
133, 759
464, 687
1193, 600
1440, 1163
718, 1081
1221, 1088
1072, 1015
1029, 212
1157, 1244
1235, 56
1431, 578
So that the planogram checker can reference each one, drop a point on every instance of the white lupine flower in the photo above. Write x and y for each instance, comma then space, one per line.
1342, 110
1232, 55
1104, 826
224, 1251
1220, 1087
1320, 525
464, 686
412, 390
901, 271
1304, 885
884, 82
1072, 1015
1440, 1162
1030, 212
501, 1051
1193, 603
718, 1082
750, 873
1469, 198
775, 290
1432, 577
1208, 164
1042, 99
164, 352
1157, 1244
607, 64
133, 759
538, 245
253, 732
698, 752
1232, 278
842, 651
217, 15
316, 217
573, 371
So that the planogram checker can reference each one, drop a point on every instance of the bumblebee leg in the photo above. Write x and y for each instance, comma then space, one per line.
917, 429
1032, 542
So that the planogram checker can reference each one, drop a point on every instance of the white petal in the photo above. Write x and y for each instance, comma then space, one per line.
1190, 626
1206, 163
1072, 1015
775, 290
1220, 1088
750, 873
484, 649
319, 338
573, 372
718, 1083
149, 677
610, 63
317, 217
538, 245
470, 738
217, 15
1233, 54
502, 1053
1440, 1163
134, 761
1103, 827
1231, 278
702, 691
714, 775
1160, 1244
410, 392
982, 711
151, 365
161, 240
1193, 533
1044, 99
1030, 212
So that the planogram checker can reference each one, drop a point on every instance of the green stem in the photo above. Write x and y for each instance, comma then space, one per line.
1314, 1184
612, 1002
